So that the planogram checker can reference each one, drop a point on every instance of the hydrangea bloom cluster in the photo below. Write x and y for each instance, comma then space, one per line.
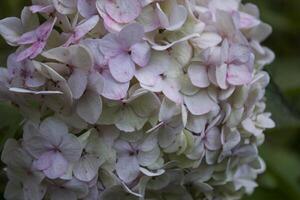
136, 99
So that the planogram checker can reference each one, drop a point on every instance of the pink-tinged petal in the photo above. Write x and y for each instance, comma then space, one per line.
85, 27
31, 52
127, 168
123, 11
213, 139
198, 75
110, 46
93, 46
110, 25
37, 146
199, 103
41, 9
44, 161
28, 38
58, 167
247, 21
113, 89
122, 68
78, 82
13, 66
43, 32
141, 53
149, 19
53, 130
230, 5
238, 75
87, 8
26, 53
131, 35
82, 29
239, 54
39, 46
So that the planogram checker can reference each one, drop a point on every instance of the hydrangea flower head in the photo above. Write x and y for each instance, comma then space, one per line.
136, 99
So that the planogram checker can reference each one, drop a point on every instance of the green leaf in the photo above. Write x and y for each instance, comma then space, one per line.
10, 120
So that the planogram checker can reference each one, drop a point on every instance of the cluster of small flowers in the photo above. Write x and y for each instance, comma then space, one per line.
136, 99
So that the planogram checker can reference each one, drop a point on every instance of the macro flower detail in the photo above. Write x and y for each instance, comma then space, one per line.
136, 99
124, 51
37, 39
56, 148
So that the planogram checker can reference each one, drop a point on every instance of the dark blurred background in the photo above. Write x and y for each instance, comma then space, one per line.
281, 150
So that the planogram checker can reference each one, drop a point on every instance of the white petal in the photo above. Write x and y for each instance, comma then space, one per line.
200, 103
130, 35
150, 173
110, 46
123, 11
140, 53
87, 167
239, 74
71, 148
177, 18
25, 91
78, 82
165, 47
127, 168
81, 57
87, 8
58, 167
198, 75
89, 107
168, 109
96, 82
11, 29
207, 39
113, 89
213, 139
128, 121
221, 76
53, 129
149, 157
196, 124
122, 68
65, 7
146, 105
149, 75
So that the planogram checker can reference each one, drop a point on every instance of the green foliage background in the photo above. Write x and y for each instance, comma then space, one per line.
282, 148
